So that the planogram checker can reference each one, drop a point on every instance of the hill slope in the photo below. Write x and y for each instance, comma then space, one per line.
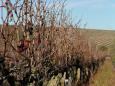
101, 37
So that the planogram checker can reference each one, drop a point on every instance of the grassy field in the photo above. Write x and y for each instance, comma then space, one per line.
101, 37
105, 75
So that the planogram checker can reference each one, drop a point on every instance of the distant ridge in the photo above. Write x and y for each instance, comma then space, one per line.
101, 37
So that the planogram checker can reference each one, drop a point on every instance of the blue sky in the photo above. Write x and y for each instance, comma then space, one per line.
98, 14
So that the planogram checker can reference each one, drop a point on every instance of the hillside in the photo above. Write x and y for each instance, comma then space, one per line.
101, 37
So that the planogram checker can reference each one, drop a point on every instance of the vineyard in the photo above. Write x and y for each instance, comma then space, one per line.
40, 46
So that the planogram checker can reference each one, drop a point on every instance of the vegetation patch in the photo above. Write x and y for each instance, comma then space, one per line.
105, 76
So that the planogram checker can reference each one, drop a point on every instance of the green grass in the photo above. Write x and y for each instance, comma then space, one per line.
105, 75
113, 61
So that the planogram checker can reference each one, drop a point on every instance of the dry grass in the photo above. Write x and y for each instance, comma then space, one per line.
105, 75
101, 37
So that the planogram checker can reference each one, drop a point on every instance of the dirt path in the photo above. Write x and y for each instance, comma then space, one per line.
105, 76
